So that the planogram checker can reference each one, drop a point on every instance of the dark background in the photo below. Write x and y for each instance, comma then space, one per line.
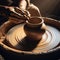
48, 8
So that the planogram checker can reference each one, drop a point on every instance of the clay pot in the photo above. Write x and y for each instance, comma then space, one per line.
33, 28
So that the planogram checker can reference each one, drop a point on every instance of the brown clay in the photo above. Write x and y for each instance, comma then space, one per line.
33, 29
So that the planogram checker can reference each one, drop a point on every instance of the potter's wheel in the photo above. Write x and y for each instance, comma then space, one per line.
19, 42
49, 40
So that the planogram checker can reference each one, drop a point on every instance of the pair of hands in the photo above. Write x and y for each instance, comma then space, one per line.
24, 11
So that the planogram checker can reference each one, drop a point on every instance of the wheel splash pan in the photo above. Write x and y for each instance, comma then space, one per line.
5, 27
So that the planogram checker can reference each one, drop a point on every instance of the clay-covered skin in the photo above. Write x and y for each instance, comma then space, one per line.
33, 10
24, 11
23, 4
